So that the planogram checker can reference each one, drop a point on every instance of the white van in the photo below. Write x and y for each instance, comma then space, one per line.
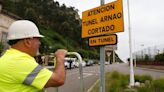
70, 62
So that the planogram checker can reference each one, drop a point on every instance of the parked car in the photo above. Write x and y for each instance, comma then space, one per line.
89, 63
76, 64
70, 63
106, 63
83, 63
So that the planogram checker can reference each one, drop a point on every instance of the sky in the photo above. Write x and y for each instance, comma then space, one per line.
146, 23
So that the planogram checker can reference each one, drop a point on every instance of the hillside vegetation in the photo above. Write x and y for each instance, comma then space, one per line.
61, 25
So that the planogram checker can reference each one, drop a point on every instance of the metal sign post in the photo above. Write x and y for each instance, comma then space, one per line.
102, 65
102, 70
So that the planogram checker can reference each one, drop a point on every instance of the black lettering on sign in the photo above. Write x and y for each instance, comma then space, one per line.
103, 40
90, 22
101, 9
92, 41
102, 29
111, 17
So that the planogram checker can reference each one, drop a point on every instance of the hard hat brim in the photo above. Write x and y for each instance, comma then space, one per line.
38, 36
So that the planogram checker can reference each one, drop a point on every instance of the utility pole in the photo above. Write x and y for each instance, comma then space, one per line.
130, 50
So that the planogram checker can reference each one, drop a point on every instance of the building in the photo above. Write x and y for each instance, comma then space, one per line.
6, 18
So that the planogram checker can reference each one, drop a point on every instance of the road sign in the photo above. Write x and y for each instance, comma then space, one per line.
103, 40
106, 19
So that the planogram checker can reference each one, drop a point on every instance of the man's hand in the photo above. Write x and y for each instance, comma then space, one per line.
60, 53
59, 73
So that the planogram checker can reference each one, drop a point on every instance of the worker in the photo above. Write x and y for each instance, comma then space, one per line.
19, 71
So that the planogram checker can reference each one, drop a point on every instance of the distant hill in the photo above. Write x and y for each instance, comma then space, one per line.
60, 25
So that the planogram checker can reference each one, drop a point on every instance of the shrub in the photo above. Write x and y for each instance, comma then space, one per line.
124, 80
115, 86
159, 57
116, 82
145, 89
158, 85
115, 75
143, 78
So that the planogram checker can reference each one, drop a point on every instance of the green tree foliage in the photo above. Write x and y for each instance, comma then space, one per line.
160, 57
61, 25
147, 58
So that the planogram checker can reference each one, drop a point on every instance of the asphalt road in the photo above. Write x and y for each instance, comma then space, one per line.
91, 74
72, 84
124, 68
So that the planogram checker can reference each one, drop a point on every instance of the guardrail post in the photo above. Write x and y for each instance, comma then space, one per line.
80, 69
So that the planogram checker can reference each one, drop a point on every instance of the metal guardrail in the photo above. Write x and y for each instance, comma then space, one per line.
80, 71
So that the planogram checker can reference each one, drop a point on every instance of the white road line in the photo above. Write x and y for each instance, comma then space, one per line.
70, 74
85, 75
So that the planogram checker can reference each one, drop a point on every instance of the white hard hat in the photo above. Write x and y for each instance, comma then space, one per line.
23, 29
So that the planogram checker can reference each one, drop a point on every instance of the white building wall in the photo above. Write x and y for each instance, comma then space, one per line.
5, 22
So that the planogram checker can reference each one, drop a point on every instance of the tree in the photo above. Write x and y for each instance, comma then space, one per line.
147, 57
1, 48
160, 57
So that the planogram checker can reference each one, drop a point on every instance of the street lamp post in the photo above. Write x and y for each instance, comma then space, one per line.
130, 50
